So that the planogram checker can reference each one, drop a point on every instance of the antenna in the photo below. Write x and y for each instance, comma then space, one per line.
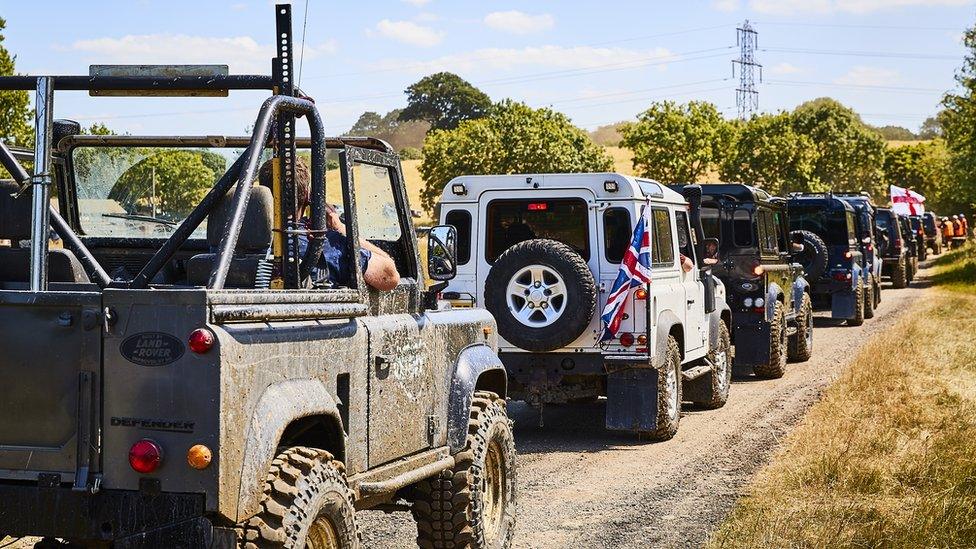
746, 95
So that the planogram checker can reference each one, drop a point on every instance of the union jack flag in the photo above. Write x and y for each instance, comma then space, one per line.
635, 270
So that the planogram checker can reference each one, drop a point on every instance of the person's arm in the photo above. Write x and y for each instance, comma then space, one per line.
380, 272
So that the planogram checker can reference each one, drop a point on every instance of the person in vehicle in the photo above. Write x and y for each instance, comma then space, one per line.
379, 270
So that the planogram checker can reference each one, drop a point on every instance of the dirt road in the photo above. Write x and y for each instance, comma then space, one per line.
580, 486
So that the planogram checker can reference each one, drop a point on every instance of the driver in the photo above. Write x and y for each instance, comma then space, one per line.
379, 270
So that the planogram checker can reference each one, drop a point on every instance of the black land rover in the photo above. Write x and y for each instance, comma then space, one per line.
864, 217
837, 279
772, 312
895, 262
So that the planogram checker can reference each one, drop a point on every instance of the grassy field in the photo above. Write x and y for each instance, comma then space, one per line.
887, 458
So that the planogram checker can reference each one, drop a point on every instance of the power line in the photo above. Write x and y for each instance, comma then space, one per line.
899, 89
852, 53
849, 26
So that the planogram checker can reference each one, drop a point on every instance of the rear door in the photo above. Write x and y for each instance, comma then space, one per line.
50, 361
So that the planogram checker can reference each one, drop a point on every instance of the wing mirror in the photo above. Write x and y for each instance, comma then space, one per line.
442, 252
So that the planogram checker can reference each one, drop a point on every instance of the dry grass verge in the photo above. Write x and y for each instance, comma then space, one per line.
888, 457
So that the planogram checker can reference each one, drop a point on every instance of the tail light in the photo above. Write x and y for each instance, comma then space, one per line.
642, 339
627, 340
201, 340
640, 293
758, 270
145, 456
848, 254
842, 276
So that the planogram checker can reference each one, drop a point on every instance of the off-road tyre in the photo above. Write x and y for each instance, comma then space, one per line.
458, 508
859, 297
801, 343
899, 274
581, 294
720, 378
778, 346
814, 256
869, 298
304, 487
910, 267
668, 394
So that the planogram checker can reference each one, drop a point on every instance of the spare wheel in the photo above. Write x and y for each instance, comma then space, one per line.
542, 295
814, 255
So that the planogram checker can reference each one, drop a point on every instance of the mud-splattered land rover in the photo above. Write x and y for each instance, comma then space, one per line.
171, 378
541, 253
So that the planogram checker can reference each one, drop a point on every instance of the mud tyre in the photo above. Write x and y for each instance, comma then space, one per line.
720, 378
307, 503
859, 297
869, 299
899, 274
472, 505
668, 394
778, 346
542, 294
801, 343
814, 256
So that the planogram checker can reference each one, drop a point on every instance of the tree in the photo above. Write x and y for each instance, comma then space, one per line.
16, 127
850, 155
367, 124
444, 100
175, 179
958, 122
922, 167
896, 133
930, 128
769, 153
513, 138
390, 128
678, 143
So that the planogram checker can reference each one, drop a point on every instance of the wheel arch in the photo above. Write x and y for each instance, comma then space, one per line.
800, 287
477, 368
299, 409
668, 324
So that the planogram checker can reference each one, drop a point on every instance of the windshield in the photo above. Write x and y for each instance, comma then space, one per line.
831, 225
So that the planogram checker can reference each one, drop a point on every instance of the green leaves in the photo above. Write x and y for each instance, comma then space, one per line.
16, 124
512, 138
445, 100
771, 154
675, 143
958, 124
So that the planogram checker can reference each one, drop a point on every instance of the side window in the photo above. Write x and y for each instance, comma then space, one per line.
780, 227
685, 243
662, 248
378, 215
461, 220
851, 234
767, 232
742, 223
617, 231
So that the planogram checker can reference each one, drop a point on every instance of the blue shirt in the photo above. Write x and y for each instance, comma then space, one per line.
334, 258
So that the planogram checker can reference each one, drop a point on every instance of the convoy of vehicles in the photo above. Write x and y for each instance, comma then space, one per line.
181, 373
541, 252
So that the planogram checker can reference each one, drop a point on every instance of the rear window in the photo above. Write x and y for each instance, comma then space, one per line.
662, 250
711, 222
561, 219
617, 232
831, 225
461, 220
742, 227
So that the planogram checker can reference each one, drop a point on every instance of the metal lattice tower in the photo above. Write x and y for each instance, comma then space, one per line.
746, 95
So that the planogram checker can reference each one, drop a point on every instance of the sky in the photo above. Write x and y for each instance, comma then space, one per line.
597, 61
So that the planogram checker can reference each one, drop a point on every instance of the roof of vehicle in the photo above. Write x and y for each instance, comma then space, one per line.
736, 191
628, 187
827, 200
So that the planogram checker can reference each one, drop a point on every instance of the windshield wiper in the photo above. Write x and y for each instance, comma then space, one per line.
136, 217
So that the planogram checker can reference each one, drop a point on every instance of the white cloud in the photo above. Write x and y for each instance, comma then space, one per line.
241, 53
517, 22
408, 32
793, 7
868, 76
552, 57
241, 6
726, 5
784, 68
417, 3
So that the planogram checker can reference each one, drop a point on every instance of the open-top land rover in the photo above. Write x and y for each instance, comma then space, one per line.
175, 376
542, 251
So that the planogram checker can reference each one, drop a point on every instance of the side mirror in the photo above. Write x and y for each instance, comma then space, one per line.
442, 252
710, 247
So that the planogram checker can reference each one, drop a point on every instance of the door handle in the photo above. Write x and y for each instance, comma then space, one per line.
691, 302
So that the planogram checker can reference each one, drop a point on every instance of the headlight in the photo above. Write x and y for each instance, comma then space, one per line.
747, 302
760, 302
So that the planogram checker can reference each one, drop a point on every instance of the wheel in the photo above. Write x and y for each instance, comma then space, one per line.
869, 298
542, 295
668, 394
910, 267
801, 343
778, 351
720, 378
307, 503
899, 274
859, 297
472, 505
814, 256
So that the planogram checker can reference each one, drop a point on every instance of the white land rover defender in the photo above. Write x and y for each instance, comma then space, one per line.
541, 252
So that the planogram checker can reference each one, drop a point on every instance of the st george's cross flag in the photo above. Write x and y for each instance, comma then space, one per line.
906, 201
635, 270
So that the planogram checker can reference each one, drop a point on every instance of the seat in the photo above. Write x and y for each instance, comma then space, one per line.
253, 242
15, 226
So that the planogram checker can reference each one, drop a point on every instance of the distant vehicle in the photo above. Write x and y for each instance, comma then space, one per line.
933, 232
839, 281
772, 311
911, 238
918, 227
895, 262
865, 212
542, 251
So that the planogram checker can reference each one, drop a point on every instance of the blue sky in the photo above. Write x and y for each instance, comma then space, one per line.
599, 62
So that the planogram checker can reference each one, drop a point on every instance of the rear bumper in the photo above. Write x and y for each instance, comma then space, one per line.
124, 518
